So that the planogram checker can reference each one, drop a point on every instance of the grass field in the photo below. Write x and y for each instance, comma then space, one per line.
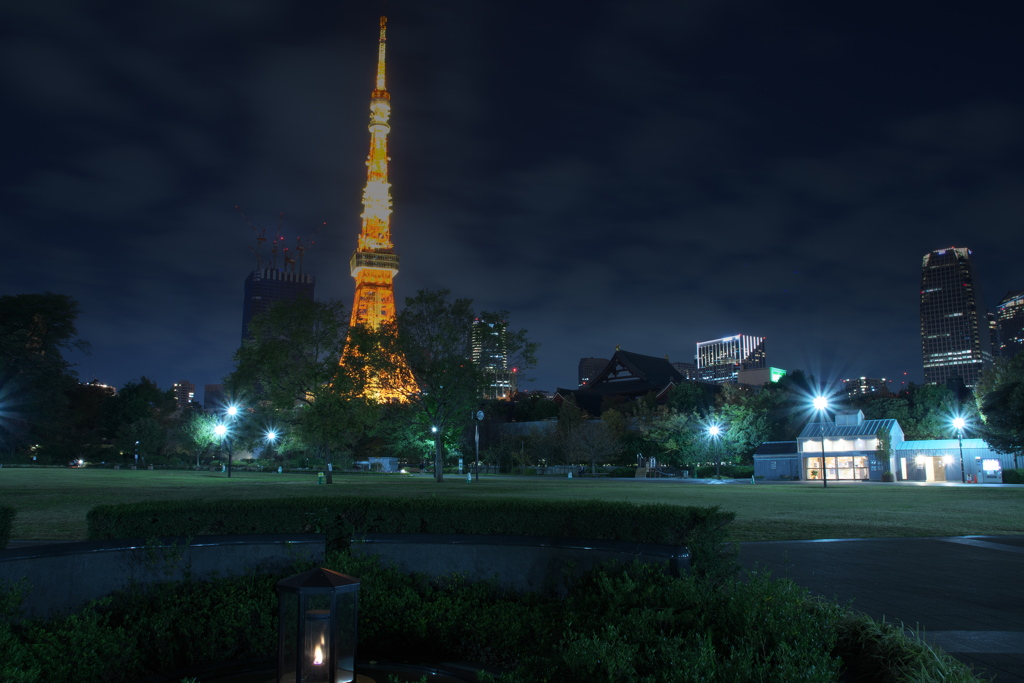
52, 503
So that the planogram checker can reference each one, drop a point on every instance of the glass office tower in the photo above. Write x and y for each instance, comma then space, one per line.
955, 340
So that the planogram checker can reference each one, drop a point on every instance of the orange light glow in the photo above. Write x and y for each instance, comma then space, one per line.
374, 263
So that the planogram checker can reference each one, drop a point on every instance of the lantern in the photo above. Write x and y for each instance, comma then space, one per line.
317, 612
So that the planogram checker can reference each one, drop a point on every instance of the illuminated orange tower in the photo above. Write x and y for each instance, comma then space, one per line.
374, 263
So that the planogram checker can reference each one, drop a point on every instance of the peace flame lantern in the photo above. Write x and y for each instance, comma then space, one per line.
317, 612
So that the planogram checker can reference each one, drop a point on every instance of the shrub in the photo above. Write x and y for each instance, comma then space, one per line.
7, 515
883, 652
342, 517
623, 472
617, 623
1013, 476
730, 471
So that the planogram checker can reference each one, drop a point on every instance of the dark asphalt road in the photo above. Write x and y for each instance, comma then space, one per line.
966, 592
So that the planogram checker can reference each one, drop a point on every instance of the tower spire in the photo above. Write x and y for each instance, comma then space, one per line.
381, 46
374, 263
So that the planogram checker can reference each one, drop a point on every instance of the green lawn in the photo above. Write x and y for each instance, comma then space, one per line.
52, 503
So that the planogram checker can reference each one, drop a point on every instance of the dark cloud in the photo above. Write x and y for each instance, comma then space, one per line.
645, 174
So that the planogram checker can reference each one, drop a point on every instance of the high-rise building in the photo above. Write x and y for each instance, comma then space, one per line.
215, 400
955, 340
490, 352
857, 386
588, 369
374, 263
1010, 313
184, 393
266, 286
720, 360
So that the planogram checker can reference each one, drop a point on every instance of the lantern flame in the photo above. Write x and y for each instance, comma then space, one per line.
318, 656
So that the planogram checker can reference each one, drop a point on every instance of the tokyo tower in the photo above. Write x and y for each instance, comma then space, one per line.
374, 263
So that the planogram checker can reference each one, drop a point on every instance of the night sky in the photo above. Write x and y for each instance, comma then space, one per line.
643, 174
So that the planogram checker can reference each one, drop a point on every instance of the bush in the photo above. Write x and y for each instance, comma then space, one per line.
342, 517
729, 471
1013, 476
623, 472
617, 623
7, 515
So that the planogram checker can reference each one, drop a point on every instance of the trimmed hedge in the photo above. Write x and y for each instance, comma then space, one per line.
6, 522
732, 471
344, 517
1013, 476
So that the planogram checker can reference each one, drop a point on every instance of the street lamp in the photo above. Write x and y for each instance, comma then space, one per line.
220, 431
271, 436
714, 431
821, 404
958, 425
232, 413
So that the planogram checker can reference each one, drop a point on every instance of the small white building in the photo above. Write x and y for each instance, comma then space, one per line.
851, 447
852, 453
939, 460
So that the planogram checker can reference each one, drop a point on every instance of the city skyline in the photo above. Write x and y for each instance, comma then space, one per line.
654, 176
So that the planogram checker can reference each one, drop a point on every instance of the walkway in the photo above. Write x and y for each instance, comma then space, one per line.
965, 592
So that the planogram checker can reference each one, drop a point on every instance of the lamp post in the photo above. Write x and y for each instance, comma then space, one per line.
232, 413
271, 437
821, 404
221, 431
438, 458
476, 437
958, 424
714, 431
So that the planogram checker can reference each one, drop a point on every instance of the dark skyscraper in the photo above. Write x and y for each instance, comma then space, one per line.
265, 286
955, 340
490, 352
589, 368
1010, 313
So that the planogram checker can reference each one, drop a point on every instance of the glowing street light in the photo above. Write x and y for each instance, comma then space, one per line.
714, 431
232, 413
958, 425
821, 405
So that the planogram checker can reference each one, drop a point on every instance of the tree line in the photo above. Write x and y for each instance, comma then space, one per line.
287, 381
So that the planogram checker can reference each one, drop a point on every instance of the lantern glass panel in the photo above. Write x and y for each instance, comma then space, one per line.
288, 632
316, 631
346, 614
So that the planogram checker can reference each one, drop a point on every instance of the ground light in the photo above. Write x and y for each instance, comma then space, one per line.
821, 404
317, 627
958, 425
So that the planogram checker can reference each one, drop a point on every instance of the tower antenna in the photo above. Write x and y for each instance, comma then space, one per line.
261, 236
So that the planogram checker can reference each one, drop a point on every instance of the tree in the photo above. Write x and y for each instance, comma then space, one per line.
144, 438
432, 338
1000, 396
136, 400
289, 367
35, 332
692, 397
680, 436
195, 433
749, 427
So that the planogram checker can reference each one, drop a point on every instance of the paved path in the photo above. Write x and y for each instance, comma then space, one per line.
965, 592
